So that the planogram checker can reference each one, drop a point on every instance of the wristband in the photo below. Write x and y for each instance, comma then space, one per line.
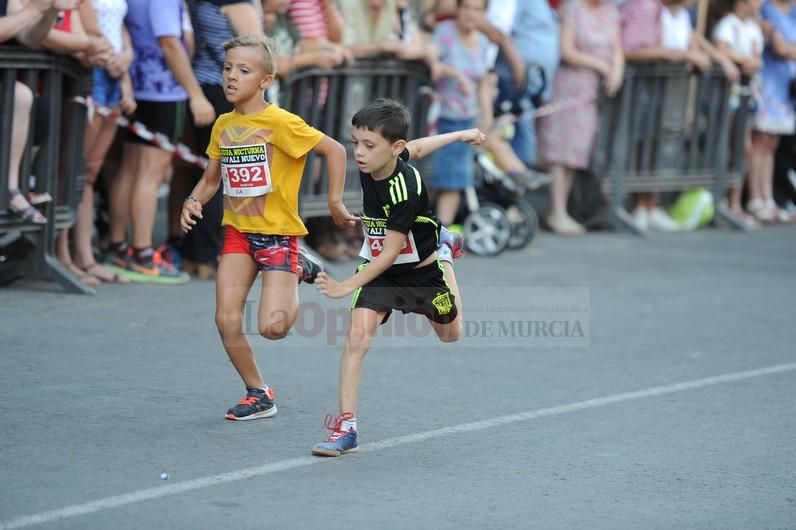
191, 198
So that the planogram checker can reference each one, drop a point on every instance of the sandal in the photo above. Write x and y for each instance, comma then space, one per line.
85, 279
39, 198
95, 270
565, 225
27, 213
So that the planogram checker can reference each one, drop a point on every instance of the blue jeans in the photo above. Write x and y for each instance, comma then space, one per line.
524, 141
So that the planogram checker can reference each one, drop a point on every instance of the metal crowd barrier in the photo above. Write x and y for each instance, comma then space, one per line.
328, 99
59, 162
670, 130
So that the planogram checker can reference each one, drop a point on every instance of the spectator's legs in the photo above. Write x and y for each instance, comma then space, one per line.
180, 186
121, 191
767, 183
734, 193
448, 205
64, 255
98, 139
202, 245
152, 168
559, 219
756, 168
761, 170
23, 102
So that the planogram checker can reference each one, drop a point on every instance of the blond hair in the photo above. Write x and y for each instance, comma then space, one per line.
260, 42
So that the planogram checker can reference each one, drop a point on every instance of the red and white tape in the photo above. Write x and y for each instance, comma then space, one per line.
180, 150
544, 110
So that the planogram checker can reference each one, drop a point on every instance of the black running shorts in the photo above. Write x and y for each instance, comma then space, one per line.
423, 291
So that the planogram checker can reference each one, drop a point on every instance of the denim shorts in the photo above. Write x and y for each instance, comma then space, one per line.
452, 166
107, 91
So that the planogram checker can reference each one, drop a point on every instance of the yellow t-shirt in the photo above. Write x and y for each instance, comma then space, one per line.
287, 140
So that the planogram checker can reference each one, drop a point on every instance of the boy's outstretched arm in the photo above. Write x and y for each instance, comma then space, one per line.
393, 243
335, 156
202, 192
423, 147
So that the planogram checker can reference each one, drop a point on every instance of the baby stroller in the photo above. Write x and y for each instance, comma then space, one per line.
494, 215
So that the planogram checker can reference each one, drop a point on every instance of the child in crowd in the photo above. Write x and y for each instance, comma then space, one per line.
111, 88
69, 37
408, 254
260, 151
739, 37
463, 90
165, 87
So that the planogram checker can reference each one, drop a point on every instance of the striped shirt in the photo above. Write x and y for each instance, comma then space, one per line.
211, 30
309, 17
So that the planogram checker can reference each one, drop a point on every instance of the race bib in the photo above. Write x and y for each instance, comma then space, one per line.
245, 171
375, 232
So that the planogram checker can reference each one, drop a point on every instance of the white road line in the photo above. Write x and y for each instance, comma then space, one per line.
293, 463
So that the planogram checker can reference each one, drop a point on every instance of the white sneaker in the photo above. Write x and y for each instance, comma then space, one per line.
779, 214
641, 217
660, 221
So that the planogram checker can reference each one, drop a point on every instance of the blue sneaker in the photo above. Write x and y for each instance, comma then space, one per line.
339, 442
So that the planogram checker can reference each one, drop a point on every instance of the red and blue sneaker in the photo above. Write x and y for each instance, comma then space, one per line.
170, 253
257, 403
341, 441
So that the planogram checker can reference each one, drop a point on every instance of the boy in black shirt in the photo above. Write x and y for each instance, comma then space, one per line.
408, 253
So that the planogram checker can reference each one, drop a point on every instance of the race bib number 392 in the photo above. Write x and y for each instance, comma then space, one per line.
244, 169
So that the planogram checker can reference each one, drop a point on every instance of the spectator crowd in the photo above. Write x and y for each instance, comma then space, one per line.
161, 62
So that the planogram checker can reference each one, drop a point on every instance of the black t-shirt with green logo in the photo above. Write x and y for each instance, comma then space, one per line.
400, 203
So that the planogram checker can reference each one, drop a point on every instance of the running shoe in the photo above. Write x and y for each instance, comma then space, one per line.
170, 253
340, 442
309, 265
257, 403
454, 241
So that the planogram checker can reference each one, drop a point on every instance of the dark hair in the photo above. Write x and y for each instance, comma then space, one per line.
386, 117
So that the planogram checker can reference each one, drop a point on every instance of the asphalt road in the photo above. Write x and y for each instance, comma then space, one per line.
605, 382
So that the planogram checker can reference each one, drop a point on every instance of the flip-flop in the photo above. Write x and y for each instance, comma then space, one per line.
95, 270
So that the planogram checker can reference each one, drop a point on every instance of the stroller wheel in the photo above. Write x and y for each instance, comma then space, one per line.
524, 224
487, 230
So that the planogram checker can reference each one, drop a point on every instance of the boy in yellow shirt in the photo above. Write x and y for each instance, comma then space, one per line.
260, 150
